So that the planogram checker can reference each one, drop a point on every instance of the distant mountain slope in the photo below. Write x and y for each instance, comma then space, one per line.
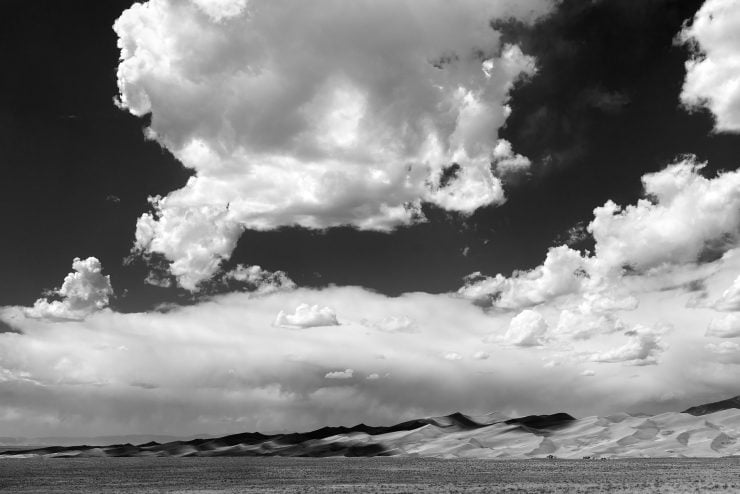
711, 430
714, 407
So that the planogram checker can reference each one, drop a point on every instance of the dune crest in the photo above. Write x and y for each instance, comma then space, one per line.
685, 434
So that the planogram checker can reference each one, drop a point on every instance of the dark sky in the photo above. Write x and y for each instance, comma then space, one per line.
601, 111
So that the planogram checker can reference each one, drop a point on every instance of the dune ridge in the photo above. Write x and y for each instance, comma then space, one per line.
711, 430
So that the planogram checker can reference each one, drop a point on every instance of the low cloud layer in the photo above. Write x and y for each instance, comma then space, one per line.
352, 129
224, 365
713, 73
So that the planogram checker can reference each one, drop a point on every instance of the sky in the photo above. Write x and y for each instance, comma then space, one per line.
232, 215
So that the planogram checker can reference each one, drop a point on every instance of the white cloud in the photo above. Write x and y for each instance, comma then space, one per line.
393, 324
261, 280
481, 355
561, 273
588, 373
307, 316
642, 348
373, 377
724, 326
84, 291
352, 129
345, 374
685, 214
713, 72
652, 245
730, 299
528, 328
452, 356
116, 373
507, 161
724, 348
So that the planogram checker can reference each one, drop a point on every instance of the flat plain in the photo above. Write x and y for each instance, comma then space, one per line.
366, 475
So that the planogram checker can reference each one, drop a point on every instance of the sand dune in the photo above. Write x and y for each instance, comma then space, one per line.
686, 434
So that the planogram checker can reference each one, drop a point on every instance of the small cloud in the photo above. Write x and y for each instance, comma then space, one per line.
155, 278
588, 373
481, 356
307, 316
528, 328
452, 356
84, 291
373, 377
723, 348
730, 299
466, 251
642, 348
392, 324
725, 326
260, 280
345, 374
113, 198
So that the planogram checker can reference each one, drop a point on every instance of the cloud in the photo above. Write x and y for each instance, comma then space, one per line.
307, 316
725, 326
452, 356
561, 273
730, 299
393, 324
642, 348
373, 377
259, 280
684, 215
588, 373
125, 373
684, 218
345, 374
724, 348
713, 72
528, 328
83, 292
481, 355
352, 129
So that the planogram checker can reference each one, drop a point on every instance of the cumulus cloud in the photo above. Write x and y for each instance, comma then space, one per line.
84, 291
352, 129
528, 328
260, 280
713, 72
730, 299
725, 326
481, 355
345, 374
307, 316
642, 348
561, 273
683, 217
452, 356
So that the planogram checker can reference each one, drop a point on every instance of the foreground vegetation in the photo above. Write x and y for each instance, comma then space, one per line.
288, 475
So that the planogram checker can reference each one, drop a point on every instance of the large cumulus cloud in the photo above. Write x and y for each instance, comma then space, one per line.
685, 218
317, 114
713, 73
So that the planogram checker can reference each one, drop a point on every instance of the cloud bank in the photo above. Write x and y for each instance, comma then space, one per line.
317, 114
